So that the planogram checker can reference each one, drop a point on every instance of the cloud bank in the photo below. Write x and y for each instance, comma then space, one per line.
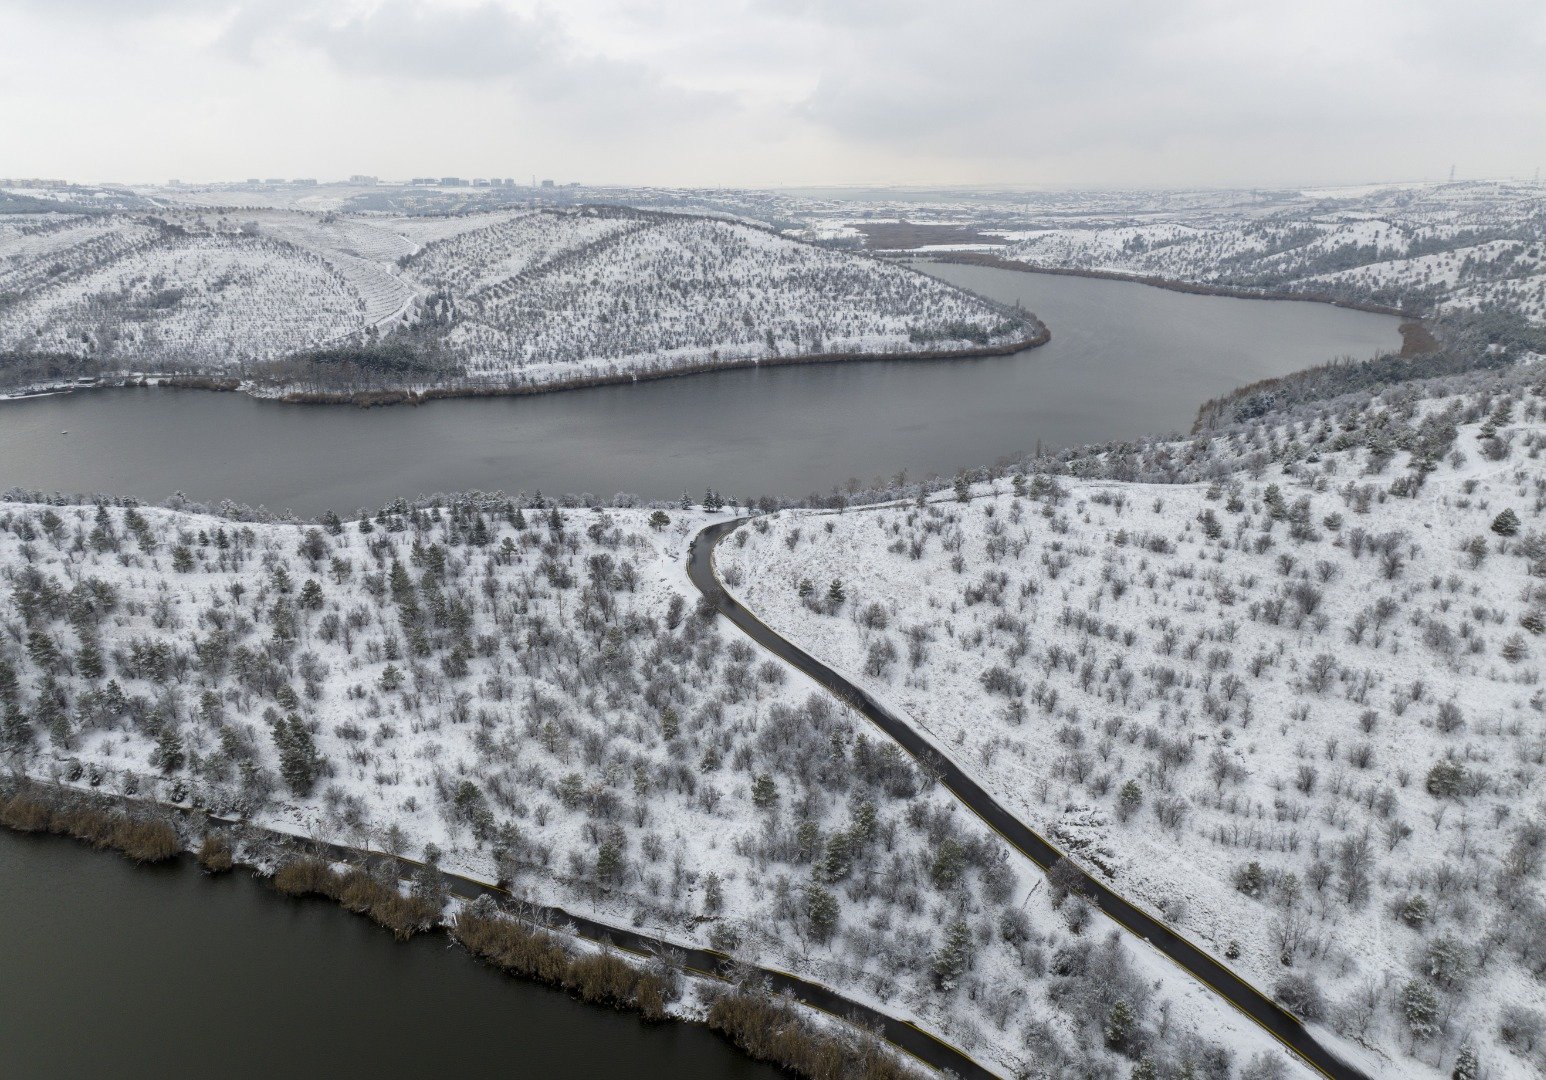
1106, 92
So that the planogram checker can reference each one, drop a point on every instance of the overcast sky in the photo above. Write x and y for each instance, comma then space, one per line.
769, 92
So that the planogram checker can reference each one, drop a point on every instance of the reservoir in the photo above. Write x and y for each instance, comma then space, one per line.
1124, 360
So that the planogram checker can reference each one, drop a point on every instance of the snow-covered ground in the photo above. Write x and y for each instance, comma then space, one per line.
1297, 710
532, 694
509, 298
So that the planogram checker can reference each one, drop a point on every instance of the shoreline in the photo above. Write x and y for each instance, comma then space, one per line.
121, 824
975, 258
384, 396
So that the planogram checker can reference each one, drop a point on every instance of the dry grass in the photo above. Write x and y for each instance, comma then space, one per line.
25, 815
215, 853
770, 1030
143, 839
603, 978
356, 889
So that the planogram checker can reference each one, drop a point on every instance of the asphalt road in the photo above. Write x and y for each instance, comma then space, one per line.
1210, 972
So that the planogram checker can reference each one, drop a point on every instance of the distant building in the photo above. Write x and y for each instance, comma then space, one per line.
304, 181
423, 181
452, 181
479, 181
253, 181
361, 178
547, 184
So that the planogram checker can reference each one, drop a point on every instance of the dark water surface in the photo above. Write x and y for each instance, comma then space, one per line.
108, 970
1124, 360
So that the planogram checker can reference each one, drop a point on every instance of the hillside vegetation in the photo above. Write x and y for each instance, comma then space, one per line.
531, 694
1290, 698
511, 300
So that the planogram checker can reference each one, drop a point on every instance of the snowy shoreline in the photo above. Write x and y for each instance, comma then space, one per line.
262, 850
1039, 335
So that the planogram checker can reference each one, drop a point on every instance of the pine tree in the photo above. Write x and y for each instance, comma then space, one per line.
1506, 523
1129, 799
821, 913
954, 956
1119, 1025
1420, 1009
764, 791
9, 686
88, 660
16, 734
1467, 1066
311, 595
169, 755
299, 762
836, 594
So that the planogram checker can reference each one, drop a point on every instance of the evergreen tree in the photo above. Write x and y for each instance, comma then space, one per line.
1119, 1026
9, 686
88, 660
169, 755
1506, 523
311, 595
1129, 799
954, 956
1467, 1066
1419, 1008
821, 913
299, 762
16, 734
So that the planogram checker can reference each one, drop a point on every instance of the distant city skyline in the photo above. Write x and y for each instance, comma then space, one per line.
775, 93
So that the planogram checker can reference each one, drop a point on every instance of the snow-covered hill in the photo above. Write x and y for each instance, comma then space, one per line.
496, 301
1429, 249
531, 693
1295, 707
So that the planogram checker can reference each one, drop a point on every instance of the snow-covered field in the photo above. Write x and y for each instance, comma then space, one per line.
502, 299
1296, 710
532, 694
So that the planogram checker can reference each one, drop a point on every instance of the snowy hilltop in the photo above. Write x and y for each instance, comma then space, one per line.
311, 305
1288, 698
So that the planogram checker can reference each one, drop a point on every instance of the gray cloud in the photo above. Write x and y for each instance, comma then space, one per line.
757, 91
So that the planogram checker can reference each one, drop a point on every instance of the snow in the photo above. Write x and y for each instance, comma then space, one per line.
1122, 622
558, 728
502, 299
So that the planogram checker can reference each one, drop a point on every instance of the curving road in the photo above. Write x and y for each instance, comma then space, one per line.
1220, 979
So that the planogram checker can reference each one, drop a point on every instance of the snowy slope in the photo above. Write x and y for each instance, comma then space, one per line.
1276, 663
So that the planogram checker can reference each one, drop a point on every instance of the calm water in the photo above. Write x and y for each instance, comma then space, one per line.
108, 970
1125, 360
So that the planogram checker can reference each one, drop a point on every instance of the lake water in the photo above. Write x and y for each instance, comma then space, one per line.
108, 970
1124, 360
